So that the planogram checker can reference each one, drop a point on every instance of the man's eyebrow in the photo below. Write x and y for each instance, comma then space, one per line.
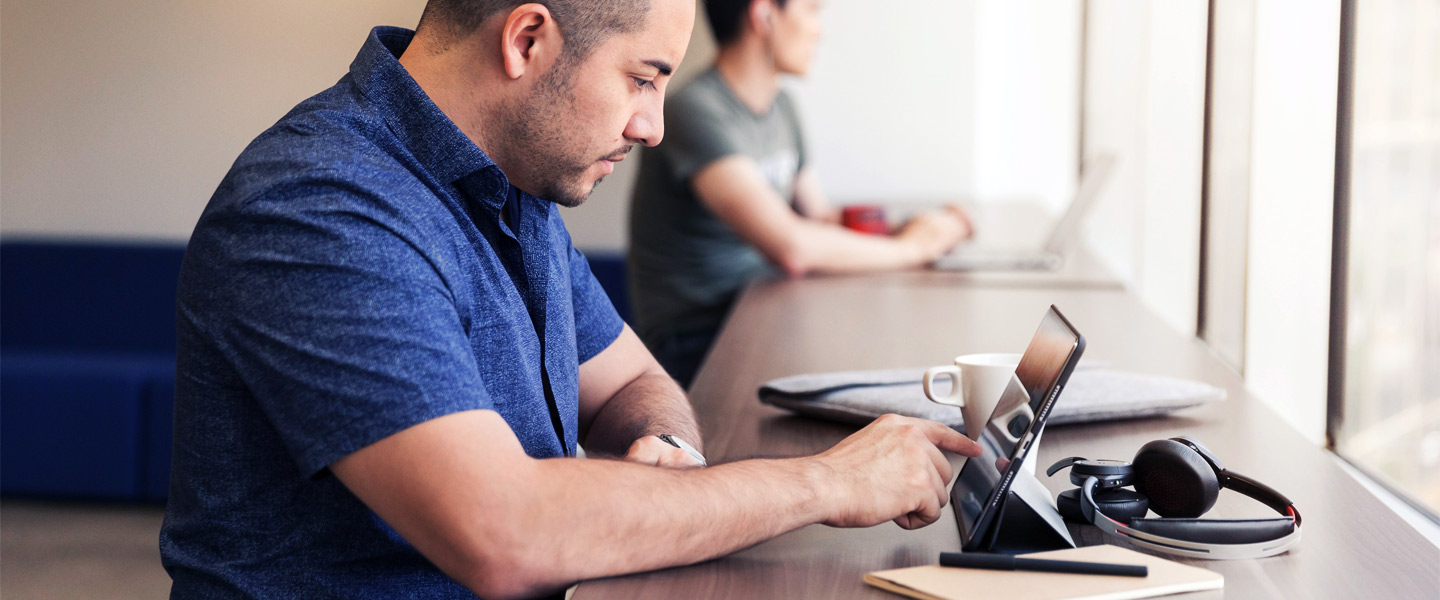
660, 65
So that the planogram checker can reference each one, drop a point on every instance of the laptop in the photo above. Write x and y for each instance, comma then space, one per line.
1064, 238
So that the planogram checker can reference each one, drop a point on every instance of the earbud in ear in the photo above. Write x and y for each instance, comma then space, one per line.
1178, 481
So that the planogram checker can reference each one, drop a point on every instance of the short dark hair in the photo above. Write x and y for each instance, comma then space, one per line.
727, 18
584, 23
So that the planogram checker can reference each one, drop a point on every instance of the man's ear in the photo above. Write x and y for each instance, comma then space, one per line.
529, 40
762, 15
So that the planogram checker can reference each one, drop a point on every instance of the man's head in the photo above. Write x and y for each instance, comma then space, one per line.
555, 91
787, 29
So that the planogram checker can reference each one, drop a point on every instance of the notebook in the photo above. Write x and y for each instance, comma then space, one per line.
945, 583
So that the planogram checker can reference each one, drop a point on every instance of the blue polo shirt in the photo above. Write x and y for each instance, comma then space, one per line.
351, 277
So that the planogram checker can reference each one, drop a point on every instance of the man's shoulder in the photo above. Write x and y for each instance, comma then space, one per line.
331, 154
332, 133
331, 169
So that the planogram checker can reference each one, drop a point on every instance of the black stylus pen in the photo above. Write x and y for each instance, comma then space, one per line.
1005, 562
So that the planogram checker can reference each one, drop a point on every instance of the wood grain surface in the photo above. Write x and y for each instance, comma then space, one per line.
1353, 545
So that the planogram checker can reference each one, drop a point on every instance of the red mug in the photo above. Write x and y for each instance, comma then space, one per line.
865, 218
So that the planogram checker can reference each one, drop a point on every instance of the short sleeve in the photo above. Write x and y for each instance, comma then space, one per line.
333, 313
696, 134
597, 324
797, 128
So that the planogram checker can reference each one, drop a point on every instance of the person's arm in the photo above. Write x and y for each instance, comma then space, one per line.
811, 200
626, 399
461, 489
735, 190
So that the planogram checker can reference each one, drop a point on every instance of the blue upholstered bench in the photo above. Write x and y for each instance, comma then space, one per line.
87, 366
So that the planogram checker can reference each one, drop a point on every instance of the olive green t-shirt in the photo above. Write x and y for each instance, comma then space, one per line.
685, 265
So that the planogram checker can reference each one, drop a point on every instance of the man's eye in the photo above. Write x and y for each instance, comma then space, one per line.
644, 83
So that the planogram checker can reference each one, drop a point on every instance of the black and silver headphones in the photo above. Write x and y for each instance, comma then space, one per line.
1179, 479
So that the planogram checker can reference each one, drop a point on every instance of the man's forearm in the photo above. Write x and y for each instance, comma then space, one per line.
612, 517
823, 248
462, 490
601, 518
652, 404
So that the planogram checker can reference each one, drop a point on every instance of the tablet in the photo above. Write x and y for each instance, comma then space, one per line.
984, 481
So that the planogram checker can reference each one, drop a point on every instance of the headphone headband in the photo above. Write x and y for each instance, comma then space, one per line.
1261, 493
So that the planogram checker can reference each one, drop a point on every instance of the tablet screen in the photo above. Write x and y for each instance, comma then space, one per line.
1016, 420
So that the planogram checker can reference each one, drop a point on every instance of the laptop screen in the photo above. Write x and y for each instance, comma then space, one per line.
1066, 235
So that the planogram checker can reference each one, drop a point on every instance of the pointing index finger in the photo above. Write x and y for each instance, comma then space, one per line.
948, 439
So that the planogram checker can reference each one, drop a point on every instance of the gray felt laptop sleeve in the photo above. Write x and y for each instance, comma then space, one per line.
1091, 395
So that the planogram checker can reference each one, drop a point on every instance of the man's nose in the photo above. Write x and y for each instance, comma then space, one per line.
647, 126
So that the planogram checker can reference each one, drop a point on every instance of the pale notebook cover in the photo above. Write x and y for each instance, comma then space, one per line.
946, 583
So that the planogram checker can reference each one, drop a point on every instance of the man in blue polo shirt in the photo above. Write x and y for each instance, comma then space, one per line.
390, 350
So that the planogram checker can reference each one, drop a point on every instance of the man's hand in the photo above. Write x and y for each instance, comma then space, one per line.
651, 450
737, 192
932, 234
964, 216
891, 470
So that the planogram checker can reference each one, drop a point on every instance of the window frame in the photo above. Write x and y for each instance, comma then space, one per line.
1340, 266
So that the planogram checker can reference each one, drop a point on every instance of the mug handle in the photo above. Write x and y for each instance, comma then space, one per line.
956, 397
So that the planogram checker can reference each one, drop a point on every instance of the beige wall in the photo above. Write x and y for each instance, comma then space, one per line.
119, 121
120, 118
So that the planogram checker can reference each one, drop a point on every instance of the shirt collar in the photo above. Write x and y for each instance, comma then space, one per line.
442, 149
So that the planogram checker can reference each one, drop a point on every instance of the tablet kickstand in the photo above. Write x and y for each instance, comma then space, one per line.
1029, 521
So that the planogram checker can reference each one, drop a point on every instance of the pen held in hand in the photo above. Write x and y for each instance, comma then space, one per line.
1005, 562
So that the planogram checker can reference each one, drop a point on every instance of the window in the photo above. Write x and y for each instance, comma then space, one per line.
1385, 352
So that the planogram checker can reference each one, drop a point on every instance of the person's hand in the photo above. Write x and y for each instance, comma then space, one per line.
893, 469
964, 216
651, 450
932, 234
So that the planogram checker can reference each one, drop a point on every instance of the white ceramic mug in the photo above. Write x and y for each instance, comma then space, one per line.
978, 381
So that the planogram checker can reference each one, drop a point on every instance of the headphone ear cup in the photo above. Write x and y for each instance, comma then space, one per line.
1121, 505
1176, 479
1068, 504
